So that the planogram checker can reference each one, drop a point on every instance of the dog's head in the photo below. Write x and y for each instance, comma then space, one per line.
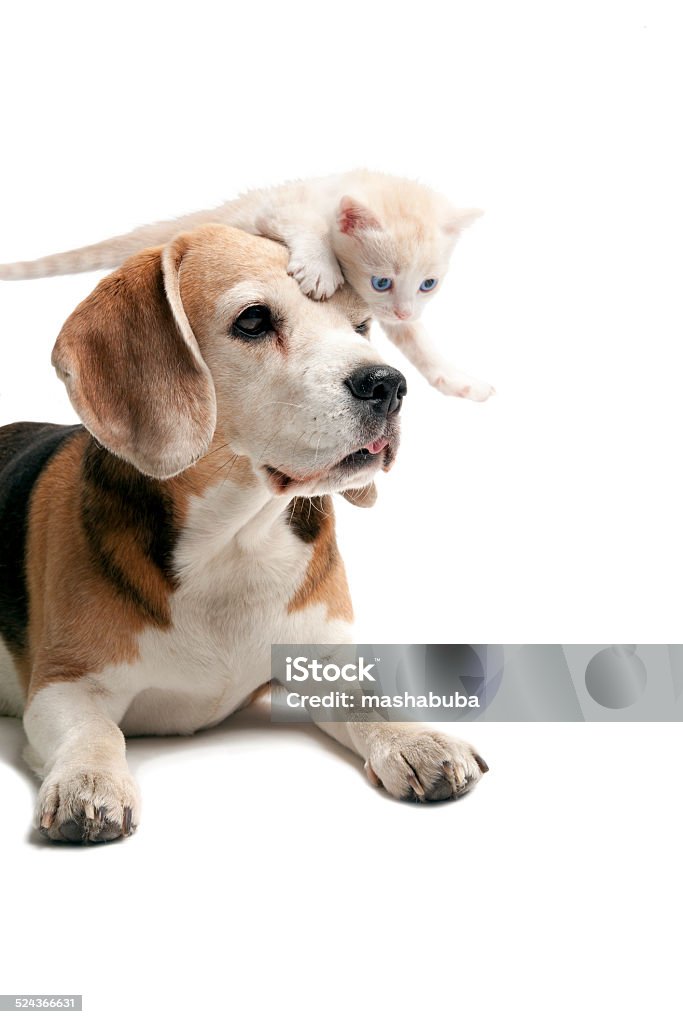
209, 337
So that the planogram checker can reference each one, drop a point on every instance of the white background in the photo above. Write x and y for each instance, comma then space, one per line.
267, 879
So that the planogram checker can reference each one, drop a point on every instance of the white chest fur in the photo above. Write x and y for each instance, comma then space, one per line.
239, 564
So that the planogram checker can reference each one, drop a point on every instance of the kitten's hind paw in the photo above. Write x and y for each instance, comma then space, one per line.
461, 385
317, 277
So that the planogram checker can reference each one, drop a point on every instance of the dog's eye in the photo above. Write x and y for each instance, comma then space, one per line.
363, 328
254, 322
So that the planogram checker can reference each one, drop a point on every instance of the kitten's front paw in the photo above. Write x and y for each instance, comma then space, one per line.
422, 765
87, 805
461, 385
317, 277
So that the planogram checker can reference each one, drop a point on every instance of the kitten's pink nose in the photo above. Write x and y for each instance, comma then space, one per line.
403, 312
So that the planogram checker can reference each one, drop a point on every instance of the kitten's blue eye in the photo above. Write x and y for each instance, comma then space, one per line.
429, 284
381, 284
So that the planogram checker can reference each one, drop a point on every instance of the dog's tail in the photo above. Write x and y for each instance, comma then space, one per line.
110, 253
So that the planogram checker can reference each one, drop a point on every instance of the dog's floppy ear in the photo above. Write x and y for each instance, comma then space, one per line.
363, 497
133, 369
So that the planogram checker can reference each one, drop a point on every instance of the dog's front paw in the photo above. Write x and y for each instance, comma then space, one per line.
422, 765
82, 805
318, 277
461, 385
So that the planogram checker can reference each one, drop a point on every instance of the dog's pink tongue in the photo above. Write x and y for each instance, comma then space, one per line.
377, 446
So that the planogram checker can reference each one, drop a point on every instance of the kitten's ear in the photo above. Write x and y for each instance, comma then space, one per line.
457, 220
362, 497
353, 217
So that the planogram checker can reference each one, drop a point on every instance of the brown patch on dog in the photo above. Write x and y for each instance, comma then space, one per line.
325, 581
119, 529
22, 666
131, 529
79, 622
98, 562
25, 450
218, 465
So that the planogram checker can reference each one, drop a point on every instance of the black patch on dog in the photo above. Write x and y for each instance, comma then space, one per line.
122, 510
25, 450
306, 516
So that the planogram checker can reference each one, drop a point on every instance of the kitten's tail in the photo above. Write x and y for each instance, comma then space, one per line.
110, 253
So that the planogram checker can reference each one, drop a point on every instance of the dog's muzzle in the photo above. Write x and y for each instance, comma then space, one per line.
380, 390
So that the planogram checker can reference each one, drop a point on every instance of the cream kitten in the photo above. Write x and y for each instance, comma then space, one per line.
390, 238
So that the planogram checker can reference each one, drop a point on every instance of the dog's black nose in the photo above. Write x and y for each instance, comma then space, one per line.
382, 386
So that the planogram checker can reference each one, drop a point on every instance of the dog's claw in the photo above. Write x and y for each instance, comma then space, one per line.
374, 778
415, 783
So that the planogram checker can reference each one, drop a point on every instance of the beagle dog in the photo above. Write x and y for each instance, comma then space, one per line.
150, 557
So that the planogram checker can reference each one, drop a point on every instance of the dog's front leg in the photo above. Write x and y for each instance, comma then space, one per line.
416, 345
410, 761
75, 745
